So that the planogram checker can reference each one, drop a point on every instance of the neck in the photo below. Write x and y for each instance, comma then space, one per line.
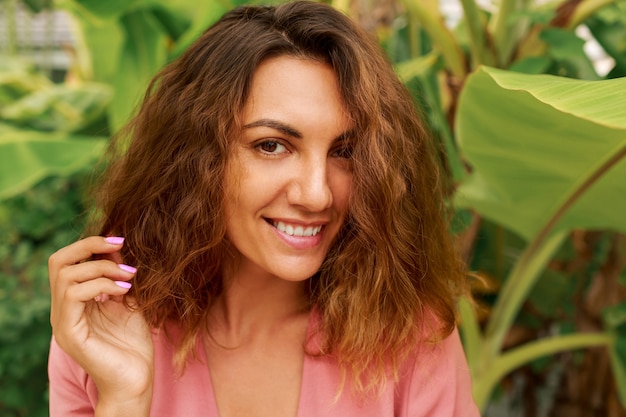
254, 304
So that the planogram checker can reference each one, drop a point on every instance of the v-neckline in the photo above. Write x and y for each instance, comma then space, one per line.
309, 338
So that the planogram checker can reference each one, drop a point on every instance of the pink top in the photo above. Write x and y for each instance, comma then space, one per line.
435, 383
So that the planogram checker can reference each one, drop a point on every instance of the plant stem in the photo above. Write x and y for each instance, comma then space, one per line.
513, 359
440, 123
518, 284
415, 41
601, 168
538, 253
500, 30
472, 339
440, 36
476, 31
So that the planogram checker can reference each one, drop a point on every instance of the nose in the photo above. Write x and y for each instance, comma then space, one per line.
309, 188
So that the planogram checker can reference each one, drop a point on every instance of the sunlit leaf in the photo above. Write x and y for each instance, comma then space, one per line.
416, 67
203, 18
104, 40
144, 52
107, 9
531, 139
28, 156
60, 107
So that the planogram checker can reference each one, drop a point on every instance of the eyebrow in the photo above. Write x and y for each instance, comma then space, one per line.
291, 131
275, 124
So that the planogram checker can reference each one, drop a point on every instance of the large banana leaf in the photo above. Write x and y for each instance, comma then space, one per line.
28, 156
144, 52
533, 140
131, 40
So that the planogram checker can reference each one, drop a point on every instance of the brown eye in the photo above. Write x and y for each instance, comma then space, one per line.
271, 147
344, 151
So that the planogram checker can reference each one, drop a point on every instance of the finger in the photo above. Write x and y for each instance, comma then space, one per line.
84, 272
115, 257
75, 297
82, 250
94, 269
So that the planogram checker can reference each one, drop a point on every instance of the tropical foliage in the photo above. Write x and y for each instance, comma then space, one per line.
536, 163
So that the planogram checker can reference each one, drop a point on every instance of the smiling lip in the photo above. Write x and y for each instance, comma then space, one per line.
296, 229
298, 236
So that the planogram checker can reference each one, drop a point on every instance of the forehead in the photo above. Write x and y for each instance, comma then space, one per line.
297, 90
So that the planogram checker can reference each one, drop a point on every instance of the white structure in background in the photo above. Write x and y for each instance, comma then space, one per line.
47, 40
44, 38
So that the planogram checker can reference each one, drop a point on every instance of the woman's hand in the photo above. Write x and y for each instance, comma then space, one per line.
90, 322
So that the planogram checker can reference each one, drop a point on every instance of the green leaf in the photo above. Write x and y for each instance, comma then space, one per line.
532, 140
532, 65
174, 21
565, 46
60, 107
108, 9
416, 67
37, 6
461, 220
28, 156
18, 79
202, 19
144, 52
552, 293
609, 29
105, 40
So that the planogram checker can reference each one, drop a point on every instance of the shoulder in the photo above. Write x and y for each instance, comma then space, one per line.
435, 381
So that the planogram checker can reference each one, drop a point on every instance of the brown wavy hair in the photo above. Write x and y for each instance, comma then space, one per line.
392, 268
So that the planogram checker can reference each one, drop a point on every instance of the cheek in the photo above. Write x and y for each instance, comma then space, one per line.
252, 188
341, 187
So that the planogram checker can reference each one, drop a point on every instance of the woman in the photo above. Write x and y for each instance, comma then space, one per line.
281, 209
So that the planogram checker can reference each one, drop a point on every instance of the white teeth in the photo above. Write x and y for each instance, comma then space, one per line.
297, 230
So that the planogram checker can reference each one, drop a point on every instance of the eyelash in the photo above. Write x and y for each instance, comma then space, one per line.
259, 146
343, 151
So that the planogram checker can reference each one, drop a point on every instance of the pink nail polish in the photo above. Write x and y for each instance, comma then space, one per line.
123, 284
114, 240
127, 268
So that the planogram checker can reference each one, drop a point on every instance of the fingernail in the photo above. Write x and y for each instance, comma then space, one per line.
114, 240
123, 284
127, 268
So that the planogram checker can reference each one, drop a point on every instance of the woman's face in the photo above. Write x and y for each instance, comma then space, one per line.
289, 178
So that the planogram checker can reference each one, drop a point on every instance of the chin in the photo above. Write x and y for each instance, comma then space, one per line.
296, 275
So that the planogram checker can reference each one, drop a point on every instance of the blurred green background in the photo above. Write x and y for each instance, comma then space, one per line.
527, 103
